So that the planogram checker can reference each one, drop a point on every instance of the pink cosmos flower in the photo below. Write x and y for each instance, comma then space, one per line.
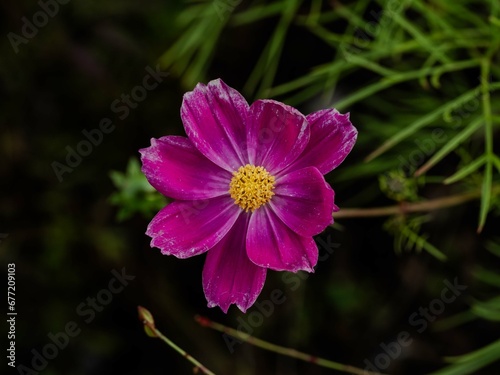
248, 188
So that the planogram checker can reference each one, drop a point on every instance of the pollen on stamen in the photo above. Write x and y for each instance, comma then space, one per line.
251, 187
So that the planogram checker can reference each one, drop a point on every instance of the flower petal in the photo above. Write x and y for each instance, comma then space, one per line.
332, 138
277, 135
215, 118
175, 168
304, 201
228, 275
271, 244
188, 228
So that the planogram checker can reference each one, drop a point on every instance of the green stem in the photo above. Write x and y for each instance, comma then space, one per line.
149, 326
205, 322
488, 139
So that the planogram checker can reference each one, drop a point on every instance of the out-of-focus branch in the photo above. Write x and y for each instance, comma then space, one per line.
404, 208
205, 322
149, 327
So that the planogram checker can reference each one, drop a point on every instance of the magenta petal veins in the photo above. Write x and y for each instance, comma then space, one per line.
248, 188
178, 170
228, 275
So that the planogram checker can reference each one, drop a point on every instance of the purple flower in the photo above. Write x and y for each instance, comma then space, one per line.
248, 187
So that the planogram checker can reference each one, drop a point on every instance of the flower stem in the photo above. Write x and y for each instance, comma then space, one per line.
149, 326
404, 207
205, 322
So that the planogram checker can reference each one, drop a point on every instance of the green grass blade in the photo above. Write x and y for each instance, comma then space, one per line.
454, 321
450, 146
488, 140
493, 247
486, 195
256, 13
471, 362
496, 162
465, 171
265, 69
402, 77
424, 40
427, 119
487, 276
420, 123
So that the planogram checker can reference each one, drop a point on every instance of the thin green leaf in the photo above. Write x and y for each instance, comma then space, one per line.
454, 321
257, 13
420, 123
402, 77
465, 171
471, 362
352, 17
451, 145
424, 40
421, 243
486, 195
496, 161
486, 276
493, 247
425, 120
267, 65
488, 140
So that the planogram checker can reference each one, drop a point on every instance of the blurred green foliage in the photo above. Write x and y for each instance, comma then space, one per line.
134, 193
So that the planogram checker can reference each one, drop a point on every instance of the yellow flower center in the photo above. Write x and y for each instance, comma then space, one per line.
251, 187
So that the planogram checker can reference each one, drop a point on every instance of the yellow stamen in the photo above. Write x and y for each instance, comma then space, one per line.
251, 187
